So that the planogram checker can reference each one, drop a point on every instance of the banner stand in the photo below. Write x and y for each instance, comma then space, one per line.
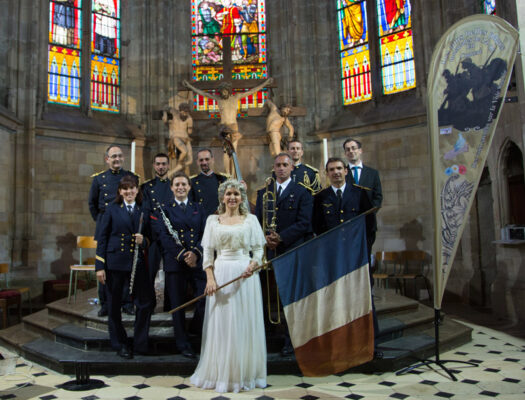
437, 361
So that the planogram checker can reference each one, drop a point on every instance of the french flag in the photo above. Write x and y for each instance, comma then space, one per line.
324, 286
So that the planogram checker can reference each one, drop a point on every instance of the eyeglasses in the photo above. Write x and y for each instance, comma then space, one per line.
113, 156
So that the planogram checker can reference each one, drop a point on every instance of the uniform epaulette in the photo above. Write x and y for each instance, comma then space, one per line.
361, 187
223, 174
194, 176
98, 173
306, 187
149, 180
309, 166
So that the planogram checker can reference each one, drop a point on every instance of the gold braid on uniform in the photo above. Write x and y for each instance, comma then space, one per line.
310, 185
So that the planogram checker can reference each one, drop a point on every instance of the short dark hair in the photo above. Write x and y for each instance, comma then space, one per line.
161, 155
110, 147
205, 149
333, 160
128, 181
180, 174
352, 140
283, 154
294, 141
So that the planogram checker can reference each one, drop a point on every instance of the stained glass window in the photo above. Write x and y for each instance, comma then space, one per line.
64, 49
354, 50
396, 45
489, 7
243, 24
105, 55
65, 80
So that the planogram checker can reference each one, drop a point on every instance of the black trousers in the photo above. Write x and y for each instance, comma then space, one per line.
103, 295
143, 297
176, 283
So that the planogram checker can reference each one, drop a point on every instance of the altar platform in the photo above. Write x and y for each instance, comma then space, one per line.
62, 336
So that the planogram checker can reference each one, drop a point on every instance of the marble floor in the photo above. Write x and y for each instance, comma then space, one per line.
500, 374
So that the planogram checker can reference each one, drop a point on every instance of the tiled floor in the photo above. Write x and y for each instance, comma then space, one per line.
501, 374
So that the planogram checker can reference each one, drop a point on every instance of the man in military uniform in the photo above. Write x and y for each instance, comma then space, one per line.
154, 191
205, 186
340, 201
303, 173
102, 193
292, 209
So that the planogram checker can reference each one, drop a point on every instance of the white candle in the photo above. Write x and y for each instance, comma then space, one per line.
133, 144
325, 150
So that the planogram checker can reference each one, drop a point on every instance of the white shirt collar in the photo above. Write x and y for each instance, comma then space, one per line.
284, 184
185, 201
342, 188
131, 204
359, 164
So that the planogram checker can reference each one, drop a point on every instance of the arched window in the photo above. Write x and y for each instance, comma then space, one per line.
488, 7
66, 51
393, 40
228, 44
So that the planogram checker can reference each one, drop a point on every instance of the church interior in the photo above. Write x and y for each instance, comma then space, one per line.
104, 73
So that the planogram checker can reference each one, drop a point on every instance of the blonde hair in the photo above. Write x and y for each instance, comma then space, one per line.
233, 184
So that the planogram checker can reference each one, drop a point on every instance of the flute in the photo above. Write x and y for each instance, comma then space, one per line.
135, 257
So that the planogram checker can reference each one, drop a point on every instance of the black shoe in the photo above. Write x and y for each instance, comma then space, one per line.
103, 312
287, 350
188, 353
128, 310
125, 352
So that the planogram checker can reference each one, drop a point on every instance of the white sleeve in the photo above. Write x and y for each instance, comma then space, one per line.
208, 242
257, 239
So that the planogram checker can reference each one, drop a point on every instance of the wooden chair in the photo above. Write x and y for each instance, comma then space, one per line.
4, 270
83, 242
388, 264
416, 263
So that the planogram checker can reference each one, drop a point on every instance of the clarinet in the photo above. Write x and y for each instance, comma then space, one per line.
167, 223
135, 258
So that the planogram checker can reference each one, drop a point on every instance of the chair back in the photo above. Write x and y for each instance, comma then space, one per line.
386, 259
85, 242
4, 269
415, 260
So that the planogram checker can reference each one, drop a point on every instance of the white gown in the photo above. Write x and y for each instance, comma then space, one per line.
233, 351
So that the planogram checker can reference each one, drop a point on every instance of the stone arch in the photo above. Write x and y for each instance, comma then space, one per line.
510, 182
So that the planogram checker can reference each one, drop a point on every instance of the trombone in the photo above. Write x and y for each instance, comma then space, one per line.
270, 225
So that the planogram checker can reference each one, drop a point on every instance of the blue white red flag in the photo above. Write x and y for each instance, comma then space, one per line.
324, 286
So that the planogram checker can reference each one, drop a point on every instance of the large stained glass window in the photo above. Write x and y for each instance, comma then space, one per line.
65, 80
489, 7
354, 48
396, 45
64, 49
228, 37
105, 54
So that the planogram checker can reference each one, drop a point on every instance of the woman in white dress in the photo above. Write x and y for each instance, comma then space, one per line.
233, 351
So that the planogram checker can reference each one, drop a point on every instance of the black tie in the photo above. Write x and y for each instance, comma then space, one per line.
279, 192
130, 210
339, 194
183, 207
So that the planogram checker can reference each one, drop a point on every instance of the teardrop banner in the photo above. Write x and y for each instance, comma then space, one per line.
469, 75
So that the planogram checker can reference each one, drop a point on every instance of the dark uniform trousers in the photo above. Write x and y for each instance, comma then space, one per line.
115, 252
101, 194
189, 225
293, 212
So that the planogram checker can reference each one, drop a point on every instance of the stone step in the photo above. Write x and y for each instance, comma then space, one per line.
64, 334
